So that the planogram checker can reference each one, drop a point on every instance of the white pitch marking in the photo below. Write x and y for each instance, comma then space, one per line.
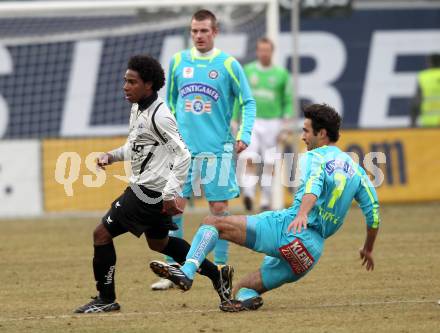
151, 313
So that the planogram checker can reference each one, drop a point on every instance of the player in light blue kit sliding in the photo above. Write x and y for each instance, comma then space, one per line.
203, 85
293, 238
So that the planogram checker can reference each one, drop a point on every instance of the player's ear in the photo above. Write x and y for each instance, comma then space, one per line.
215, 30
322, 133
148, 85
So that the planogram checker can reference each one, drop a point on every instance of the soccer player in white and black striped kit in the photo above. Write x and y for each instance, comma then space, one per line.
159, 162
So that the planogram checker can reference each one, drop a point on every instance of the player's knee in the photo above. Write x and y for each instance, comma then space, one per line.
157, 245
218, 207
211, 220
101, 236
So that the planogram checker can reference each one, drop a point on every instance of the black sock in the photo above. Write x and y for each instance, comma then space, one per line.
178, 248
104, 261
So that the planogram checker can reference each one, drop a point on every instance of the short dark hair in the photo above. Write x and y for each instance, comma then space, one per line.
325, 117
265, 40
149, 69
204, 14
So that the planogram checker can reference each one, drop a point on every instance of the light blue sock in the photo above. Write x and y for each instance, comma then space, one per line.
178, 220
246, 293
221, 248
203, 242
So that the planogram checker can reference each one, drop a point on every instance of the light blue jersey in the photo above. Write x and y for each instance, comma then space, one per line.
201, 92
336, 180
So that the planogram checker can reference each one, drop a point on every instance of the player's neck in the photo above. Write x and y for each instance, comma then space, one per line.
145, 102
209, 53
262, 67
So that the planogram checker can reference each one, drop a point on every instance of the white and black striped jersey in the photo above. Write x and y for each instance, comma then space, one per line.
159, 158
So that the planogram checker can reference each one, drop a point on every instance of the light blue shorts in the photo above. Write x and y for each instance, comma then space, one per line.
289, 257
213, 176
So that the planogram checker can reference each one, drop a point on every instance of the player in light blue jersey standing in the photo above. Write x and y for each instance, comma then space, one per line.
292, 239
203, 85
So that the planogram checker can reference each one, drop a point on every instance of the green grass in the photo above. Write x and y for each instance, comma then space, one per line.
45, 272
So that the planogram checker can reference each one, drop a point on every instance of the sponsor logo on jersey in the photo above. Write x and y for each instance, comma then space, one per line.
328, 216
333, 165
296, 254
199, 88
198, 105
254, 79
188, 72
213, 74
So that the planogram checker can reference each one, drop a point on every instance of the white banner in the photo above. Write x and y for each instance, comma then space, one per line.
20, 187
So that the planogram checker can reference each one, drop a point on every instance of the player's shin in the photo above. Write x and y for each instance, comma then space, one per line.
104, 261
203, 243
178, 220
221, 248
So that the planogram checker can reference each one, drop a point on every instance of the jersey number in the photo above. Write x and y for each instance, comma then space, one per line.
340, 181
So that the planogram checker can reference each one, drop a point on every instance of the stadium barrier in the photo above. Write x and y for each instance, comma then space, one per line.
412, 161
59, 175
20, 178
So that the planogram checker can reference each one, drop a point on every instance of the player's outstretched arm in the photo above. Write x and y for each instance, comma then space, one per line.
367, 198
300, 220
366, 253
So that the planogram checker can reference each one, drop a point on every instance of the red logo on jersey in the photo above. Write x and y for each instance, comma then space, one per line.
296, 254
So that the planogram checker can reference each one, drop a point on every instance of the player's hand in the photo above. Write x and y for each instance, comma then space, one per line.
367, 259
104, 160
172, 207
298, 223
240, 146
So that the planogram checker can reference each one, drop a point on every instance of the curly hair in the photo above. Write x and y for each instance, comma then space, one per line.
149, 69
325, 117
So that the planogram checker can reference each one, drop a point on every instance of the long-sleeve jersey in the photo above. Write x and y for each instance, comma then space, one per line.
159, 158
271, 89
201, 92
336, 180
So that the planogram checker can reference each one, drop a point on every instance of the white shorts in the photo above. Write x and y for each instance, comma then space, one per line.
263, 138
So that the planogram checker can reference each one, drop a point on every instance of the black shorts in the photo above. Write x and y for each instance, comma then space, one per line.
129, 213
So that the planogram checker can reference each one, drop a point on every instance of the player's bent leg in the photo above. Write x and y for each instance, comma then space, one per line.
165, 284
222, 283
178, 221
231, 228
178, 248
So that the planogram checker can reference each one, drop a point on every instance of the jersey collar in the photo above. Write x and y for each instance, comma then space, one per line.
147, 101
210, 55
262, 68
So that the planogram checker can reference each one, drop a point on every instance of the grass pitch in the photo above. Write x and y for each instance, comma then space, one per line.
45, 273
